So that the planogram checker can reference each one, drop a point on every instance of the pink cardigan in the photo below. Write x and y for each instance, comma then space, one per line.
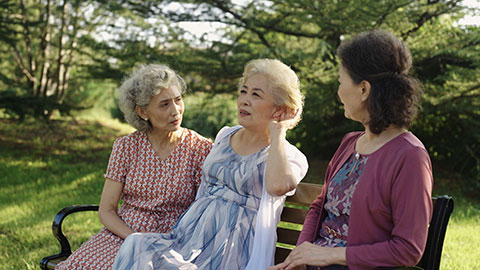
391, 207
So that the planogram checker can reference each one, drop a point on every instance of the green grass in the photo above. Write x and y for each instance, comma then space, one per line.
44, 168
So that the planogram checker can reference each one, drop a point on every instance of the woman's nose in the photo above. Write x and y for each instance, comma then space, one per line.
176, 109
245, 100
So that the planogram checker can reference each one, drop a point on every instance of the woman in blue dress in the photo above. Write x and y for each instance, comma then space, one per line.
246, 176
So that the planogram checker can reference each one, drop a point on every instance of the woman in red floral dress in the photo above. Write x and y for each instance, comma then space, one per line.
156, 170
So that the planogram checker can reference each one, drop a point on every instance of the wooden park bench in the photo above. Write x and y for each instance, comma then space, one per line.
293, 215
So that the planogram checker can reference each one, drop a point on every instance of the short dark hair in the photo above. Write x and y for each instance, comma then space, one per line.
384, 61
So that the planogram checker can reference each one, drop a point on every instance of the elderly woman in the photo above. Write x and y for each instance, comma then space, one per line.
156, 171
231, 224
376, 203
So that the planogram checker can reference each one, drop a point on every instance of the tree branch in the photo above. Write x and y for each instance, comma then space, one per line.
44, 48
427, 16
26, 33
463, 94
21, 65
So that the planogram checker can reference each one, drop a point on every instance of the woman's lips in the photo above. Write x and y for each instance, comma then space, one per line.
243, 112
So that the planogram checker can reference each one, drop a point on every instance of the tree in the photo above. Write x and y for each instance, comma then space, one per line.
305, 34
53, 48
41, 44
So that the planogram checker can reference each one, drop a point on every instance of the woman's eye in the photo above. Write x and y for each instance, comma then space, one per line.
243, 91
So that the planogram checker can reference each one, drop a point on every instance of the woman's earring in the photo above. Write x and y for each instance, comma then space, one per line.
146, 119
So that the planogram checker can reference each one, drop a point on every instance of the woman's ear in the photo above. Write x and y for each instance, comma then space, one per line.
278, 112
365, 89
141, 112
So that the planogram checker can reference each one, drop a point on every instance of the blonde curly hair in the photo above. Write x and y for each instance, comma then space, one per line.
140, 86
282, 81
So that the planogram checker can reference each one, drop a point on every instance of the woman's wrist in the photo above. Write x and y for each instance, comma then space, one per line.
278, 136
339, 256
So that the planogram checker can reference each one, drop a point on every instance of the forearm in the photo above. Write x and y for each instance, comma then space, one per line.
114, 223
312, 221
107, 211
279, 176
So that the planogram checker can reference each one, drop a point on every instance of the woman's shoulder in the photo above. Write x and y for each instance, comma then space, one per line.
404, 146
132, 138
410, 139
348, 141
352, 136
405, 142
196, 139
225, 132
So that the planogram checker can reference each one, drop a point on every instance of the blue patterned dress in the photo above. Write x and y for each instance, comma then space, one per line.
218, 230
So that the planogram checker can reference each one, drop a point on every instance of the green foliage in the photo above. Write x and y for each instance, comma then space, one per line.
448, 124
305, 34
208, 115
21, 106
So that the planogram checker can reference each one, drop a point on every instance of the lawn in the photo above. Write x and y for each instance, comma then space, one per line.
45, 167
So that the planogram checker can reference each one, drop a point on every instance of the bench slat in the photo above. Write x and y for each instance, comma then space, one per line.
293, 215
287, 236
281, 254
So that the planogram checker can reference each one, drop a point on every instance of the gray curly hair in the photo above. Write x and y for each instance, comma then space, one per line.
140, 86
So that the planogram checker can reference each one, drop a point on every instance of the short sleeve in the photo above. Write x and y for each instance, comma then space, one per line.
119, 161
224, 132
298, 164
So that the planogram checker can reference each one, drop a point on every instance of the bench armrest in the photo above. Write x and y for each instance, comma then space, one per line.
57, 231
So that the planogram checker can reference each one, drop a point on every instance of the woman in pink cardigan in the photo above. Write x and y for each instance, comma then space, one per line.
375, 205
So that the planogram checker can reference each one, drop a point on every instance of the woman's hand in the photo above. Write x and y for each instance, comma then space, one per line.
282, 120
310, 254
282, 266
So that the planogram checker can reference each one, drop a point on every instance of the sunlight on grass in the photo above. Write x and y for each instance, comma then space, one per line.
461, 248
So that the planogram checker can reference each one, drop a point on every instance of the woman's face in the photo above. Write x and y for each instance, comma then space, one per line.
165, 110
255, 102
351, 95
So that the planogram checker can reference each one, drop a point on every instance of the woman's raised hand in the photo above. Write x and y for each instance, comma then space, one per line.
282, 120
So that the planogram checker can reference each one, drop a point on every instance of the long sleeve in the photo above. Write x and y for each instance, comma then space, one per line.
411, 209
312, 220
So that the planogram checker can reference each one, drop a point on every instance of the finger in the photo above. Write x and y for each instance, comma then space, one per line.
279, 266
294, 265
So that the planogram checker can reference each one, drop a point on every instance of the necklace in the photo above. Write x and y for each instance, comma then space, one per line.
357, 157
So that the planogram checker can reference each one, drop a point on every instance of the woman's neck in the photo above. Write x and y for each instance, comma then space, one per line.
371, 142
163, 139
246, 142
